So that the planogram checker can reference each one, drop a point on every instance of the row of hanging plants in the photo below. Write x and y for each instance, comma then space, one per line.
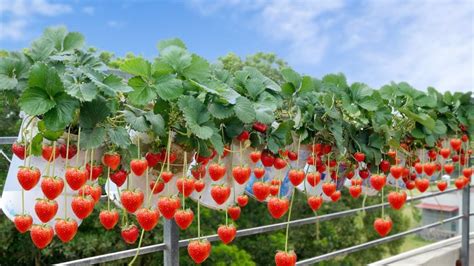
173, 122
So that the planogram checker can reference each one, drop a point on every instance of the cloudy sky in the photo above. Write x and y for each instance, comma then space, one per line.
423, 42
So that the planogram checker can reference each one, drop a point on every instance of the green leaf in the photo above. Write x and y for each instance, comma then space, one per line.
142, 93
49, 134
113, 84
264, 113
170, 42
157, 123
73, 40
440, 128
35, 101
417, 133
56, 35
196, 117
220, 111
62, 114
217, 143
41, 49
46, 78
92, 138
8, 80
360, 91
244, 110
137, 66
169, 88
338, 80
37, 145
306, 84
160, 68
177, 57
369, 104
93, 113
291, 76
198, 70
287, 89
84, 91
119, 136
136, 122
421, 118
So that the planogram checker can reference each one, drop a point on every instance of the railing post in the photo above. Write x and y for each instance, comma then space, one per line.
465, 225
171, 240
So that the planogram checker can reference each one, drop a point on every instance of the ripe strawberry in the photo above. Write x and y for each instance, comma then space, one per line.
429, 168
455, 158
336, 196
261, 190
378, 181
185, 186
172, 156
383, 226
385, 166
119, 177
23, 222
449, 168
326, 148
356, 182
274, 190
96, 171
329, 188
19, 150
112, 160
279, 163
147, 218
442, 185
41, 235
432, 154
47, 153
52, 186
465, 138
359, 156
109, 219
467, 172
315, 202
422, 184
216, 171
168, 206
296, 177
418, 168
157, 186
138, 166
166, 176
46, 209
392, 153
397, 199
82, 206
184, 218
259, 172
199, 250
130, 234
226, 233
260, 127
94, 190
203, 159
226, 152
198, 171
410, 184
65, 229
75, 177
63, 151
396, 171
277, 207
243, 136
466, 180
241, 174
350, 174
132, 200
455, 144
220, 193
293, 156
242, 200
364, 173
267, 158
234, 212
199, 185
459, 183
255, 156
355, 191
28, 177
445, 152
285, 258
153, 158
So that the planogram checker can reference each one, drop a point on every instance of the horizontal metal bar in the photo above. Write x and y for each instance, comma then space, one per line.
7, 140
373, 243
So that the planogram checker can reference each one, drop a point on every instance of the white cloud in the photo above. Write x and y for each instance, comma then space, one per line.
89, 10
17, 15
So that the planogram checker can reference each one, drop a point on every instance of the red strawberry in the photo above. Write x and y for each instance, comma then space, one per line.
184, 218
396, 171
119, 177
315, 202
285, 258
329, 188
138, 166
364, 173
166, 176
172, 156
168, 206
442, 185
467, 172
432, 154
410, 185
242, 200
279, 163
23, 222
385, 166
355, 191
199, 250
274, 190
429, 168
449, 168
445, 152
422, 184
296, 176
63, 151
259, 172
82, 206
396, 199
198, 171
241, 174
293, 156
46, 209
112, 160
356, 182
75, 177
326, 148
47, 153
234, 212
336, 196
267, 158
383, 226
459, 183
95, 191
378, 181
260, 127
41, 235
226, 233
109, 218
277, 207
19, 150
255, 156
153, 158
28, 177
199, 185
52, 186
313, 178
130, 234
261, 190
359, 156
147, 218
455, 158
455, 144
243, 136
226, 151
96, 171
203, 159
132, 200
157, 186
418, 168
185, 186
65, 229
216, 171
220, 194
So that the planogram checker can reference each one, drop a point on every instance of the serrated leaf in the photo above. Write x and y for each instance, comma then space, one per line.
142, 93
84, 91
287, 89
369, 104
114, 84
263, 113
137, 66
169, 88
35, 101
360, 91
440, 128
62, 114
306, 84
217, 143
170, 42
160, 68
254, 87
220, 111
46, 78
119, 136
92, 138
137, 123
244, 110
56, 35
157, 123
73, 40
93, 112
177, 57
291, 76
198, 70
196, 117
49, 134
37, 145
41, 49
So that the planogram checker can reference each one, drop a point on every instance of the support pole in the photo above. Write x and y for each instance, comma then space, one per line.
465, 225
171, 240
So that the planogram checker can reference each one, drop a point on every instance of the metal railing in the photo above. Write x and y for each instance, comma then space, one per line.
172, 243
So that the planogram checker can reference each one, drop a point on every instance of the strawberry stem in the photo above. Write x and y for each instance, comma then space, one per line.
199, 217
78, 146
138, 147
185, 175
289, 218
108, 187
22, 201
67, 158
138, 249
168, 151
54, 156
30, 147
383, 207
226, 218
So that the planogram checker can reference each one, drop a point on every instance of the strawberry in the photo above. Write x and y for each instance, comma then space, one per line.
261, 190
52, 186
279, 163
277, 207
429, 168
285, 258
355, 191
63, 151
315, 202
336, 196
378, 181
172, 156
226, 233
267, 158
166, 176
260, 127
467, 172
203, 159
418, 168
65, 229
293, 156
82, 206
234, 212
449, 168
23, 222
243, 136
19, 150
216, 171
466, 180
112, 160
350, 174
41, 235
455, 158
442, 185
199, 185
119, 177
156, 186
220, 193
96, 171
132, 200
28, 177
241, 174
46, 209
274, 190
445, 152
47, 153
168, 206
364, 173
199, 250
153, 158
356, 182
109, 219
198, 171
130, 234
242, 200
138, 166
296, 177
455, 144
422, 184
392, 153
432, 154
396, 171
147, 218
410, 185
95, 191
459, 183
184, 218
329, 188
396, 199
226, 151
359, 156
385, 166
75, 177
259, 172
464, 138
383, 226
255, 156
185, 186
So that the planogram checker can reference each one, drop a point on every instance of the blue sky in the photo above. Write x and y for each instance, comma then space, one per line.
424, 42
